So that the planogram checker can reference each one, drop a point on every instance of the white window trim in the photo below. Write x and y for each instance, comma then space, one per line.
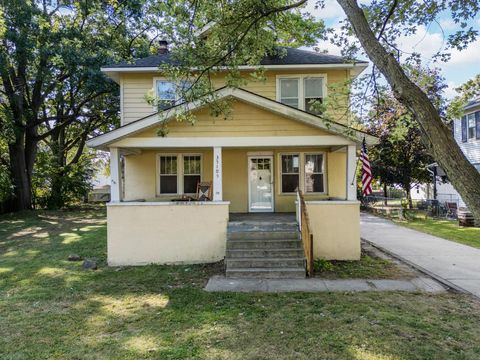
324, 172
180, 173
155, 94
474, 137
301, 175
280, 173
301, 86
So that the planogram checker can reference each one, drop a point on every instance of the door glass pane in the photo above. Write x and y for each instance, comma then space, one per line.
260, 177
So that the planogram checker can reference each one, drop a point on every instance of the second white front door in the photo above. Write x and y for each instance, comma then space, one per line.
260, 183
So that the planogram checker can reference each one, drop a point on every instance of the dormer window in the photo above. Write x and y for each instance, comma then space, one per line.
169, 93
305, 92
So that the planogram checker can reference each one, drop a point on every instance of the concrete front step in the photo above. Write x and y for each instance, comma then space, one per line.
261, 227
264, 253
258, 235
265, 263
264, 244
262, 273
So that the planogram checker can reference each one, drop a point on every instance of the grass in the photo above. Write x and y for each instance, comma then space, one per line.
446, 229
51, 308
369, 267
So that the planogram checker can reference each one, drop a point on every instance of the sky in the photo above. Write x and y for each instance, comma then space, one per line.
462, 66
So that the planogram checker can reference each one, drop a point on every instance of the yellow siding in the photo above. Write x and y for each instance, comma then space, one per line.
136, 86
245, 120
169, 233
141, 176
336, 229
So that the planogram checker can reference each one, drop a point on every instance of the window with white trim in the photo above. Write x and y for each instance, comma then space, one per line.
168, 174
290, 172
471, 124
179, 174
302, 92
168, 93
192, 168
314, 179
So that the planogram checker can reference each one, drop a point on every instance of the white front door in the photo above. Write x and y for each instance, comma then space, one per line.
260, 183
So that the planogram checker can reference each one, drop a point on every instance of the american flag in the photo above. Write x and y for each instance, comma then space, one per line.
366, 171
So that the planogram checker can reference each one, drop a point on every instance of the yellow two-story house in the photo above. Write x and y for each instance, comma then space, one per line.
272, 148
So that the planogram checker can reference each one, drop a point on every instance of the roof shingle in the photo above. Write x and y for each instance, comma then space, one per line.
290, 57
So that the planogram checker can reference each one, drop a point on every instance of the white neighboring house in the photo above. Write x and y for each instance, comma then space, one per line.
467, 134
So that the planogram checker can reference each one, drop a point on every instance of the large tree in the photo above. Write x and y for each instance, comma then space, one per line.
377, 33
50, 80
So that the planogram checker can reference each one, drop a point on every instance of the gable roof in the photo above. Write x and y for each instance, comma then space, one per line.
286, 58
151, 121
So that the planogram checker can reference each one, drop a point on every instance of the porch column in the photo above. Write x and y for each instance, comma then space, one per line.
351, 167
217, 174
115, 175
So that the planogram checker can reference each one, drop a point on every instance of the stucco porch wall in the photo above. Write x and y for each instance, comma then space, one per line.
141, 175
336, 229
140, 233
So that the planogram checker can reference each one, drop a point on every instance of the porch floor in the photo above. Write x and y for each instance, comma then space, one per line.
282, 218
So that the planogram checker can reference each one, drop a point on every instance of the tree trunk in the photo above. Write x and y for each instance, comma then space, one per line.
385, 193
435, 134
18, 169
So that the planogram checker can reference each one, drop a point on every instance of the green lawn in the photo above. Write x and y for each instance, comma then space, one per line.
51, 308
447, 229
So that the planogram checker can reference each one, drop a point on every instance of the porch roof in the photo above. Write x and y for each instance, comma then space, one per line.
128, 130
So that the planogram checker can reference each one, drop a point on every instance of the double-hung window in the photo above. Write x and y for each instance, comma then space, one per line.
314, 180
290, 172
179, 174
168, 93
168, 174
191, 173
471, 125
302, 92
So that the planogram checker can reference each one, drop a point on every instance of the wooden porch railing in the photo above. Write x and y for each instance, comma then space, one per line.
304, 227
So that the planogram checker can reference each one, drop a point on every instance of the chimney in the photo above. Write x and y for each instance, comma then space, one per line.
163, 47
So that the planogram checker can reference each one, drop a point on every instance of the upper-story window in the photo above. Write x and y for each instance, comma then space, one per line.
303, 92
470, 126
168, 93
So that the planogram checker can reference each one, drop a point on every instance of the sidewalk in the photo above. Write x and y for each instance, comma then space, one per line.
223, 284
455, 264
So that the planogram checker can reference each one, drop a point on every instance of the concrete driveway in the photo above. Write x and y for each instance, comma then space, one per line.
456, 264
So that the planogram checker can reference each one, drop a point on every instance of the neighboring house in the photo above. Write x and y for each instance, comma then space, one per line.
467, 134
256, 159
